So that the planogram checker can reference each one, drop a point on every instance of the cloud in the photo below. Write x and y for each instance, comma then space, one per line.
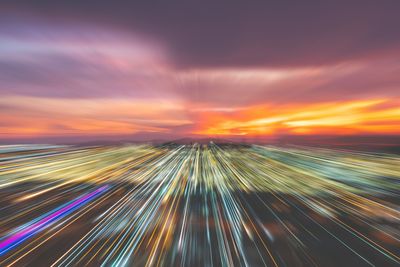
180, 69
373, 116
35, 116
225, 34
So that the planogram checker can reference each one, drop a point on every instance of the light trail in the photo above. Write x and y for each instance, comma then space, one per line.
198, 205
50, 218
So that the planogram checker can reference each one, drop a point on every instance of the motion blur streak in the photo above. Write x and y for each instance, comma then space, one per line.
37, 226
198, 205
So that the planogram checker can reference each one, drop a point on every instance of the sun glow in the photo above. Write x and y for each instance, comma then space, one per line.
369, 116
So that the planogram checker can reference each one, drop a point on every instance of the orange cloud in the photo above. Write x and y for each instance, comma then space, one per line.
375, 116
33, 116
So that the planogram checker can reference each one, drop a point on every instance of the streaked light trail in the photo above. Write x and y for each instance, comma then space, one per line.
198, 205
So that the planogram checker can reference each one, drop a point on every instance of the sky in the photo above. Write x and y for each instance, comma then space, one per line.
84, 70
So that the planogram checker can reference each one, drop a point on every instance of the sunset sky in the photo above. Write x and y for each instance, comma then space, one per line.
109, 69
